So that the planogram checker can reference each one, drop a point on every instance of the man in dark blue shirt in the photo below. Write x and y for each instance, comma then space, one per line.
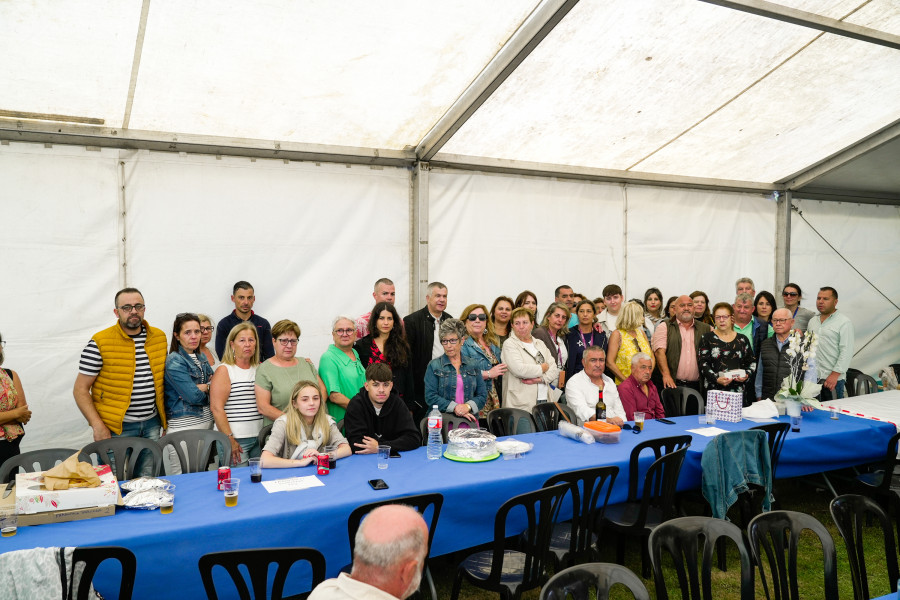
243, 298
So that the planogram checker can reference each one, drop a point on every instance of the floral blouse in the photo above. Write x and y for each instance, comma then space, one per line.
716, 356
8, 401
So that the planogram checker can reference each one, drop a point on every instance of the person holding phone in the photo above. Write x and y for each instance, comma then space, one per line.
303, 431
377, 416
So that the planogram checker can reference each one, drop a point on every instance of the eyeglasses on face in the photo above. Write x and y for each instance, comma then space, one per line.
450, 342
344, 331
132, 308
790, 294
287, 341
474, 317
209, 329
779, 321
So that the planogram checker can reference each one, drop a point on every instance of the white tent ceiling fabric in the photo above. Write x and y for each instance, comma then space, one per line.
672, 87
314, 238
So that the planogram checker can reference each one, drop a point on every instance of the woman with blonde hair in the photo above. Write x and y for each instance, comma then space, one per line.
553, 331
627, 340
232, 396
303, 431
483, 346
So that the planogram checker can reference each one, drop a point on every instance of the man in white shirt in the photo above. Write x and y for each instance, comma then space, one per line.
582, 390
391, 545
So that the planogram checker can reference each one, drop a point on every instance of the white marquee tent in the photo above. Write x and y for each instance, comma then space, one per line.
312, 147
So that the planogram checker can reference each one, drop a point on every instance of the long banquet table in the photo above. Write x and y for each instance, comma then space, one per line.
168, 547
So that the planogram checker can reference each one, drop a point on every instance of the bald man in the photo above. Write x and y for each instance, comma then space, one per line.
676, 347
774, 363
391, 545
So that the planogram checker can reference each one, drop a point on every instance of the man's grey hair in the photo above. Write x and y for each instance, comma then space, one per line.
743, 298
342, 318
639, 357
383, 281
451, 326
593, 350
744, 280
386, 556
435, 285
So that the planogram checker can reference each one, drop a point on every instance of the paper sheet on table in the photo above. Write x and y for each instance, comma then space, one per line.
708, 431
761, 419
289, 484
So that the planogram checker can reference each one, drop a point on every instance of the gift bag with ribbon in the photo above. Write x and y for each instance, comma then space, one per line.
724, 406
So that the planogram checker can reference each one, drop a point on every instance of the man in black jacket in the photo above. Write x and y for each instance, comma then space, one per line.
376, 415
421, 332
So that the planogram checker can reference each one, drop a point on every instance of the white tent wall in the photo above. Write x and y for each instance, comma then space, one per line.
59, 253
868, 236
493, 235
312, 239
500, 234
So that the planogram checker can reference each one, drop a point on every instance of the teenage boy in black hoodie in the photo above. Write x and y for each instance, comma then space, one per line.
377, 415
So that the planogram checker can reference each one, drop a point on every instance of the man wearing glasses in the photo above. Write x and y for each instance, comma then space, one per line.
243, 298
774, 363
119, 387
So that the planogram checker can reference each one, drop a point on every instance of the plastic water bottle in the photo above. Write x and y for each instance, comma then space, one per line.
435, 437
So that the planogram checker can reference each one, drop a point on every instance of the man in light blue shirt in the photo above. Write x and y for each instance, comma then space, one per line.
835, 350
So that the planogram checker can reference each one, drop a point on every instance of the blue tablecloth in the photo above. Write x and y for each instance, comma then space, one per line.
168, 546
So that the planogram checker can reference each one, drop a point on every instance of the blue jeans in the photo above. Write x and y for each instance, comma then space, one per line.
149, 429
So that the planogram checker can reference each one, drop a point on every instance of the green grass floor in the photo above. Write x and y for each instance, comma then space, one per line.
792, 495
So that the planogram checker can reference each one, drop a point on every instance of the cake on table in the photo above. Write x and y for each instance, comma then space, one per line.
471, 443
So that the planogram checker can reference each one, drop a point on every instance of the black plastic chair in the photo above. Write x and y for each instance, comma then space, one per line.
256, 563
510, 571
263, 436
851, 512
683, 400
850, 384
92, 557
655, 503
774, 536
122, 454
593, 580
681, 539
201, 448
864, 384
547, 416
878, 483
423, 503
510, 421
776, 433
44, 459
449, 423
572, 543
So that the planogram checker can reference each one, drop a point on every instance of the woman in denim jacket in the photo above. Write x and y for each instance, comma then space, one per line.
482, 346
187, 378
446, 373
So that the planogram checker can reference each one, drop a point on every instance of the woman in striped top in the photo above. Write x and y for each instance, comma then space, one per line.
233, 398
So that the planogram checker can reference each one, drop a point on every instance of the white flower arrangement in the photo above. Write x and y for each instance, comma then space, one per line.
801, 349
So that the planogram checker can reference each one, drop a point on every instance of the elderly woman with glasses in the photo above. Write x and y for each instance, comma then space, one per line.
206, 332
453, 382
532, 374
340, 367
276, 377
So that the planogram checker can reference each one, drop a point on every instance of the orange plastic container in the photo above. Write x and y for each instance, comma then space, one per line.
603, 432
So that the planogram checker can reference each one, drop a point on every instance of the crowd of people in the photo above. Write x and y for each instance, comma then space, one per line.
382, 374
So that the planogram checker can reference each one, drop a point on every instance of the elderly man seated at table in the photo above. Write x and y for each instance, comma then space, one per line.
583, 390
388, 560
637, 393
377, 415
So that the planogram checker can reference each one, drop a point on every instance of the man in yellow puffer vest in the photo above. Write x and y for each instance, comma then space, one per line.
119, 388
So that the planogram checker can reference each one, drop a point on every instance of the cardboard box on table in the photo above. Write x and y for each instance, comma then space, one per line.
37, 506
